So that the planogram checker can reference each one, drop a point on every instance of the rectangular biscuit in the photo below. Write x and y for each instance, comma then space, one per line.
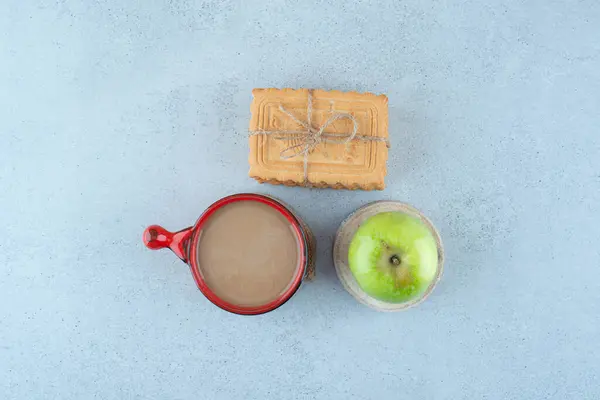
358, 164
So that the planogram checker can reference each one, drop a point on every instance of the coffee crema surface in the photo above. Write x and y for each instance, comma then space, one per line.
248, 253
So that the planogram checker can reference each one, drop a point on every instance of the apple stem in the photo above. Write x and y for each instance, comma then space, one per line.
395, 260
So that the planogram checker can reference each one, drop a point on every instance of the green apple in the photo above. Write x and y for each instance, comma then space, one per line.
393, 257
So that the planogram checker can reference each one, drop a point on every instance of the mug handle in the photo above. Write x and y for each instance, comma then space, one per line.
156, 237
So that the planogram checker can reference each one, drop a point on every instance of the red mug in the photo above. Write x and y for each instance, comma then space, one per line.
185, 245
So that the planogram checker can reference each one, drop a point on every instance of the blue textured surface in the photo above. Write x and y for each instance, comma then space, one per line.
117, 114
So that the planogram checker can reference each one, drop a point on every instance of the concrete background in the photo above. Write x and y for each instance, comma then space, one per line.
118, 114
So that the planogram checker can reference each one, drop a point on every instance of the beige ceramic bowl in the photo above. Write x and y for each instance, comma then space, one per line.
344, 236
